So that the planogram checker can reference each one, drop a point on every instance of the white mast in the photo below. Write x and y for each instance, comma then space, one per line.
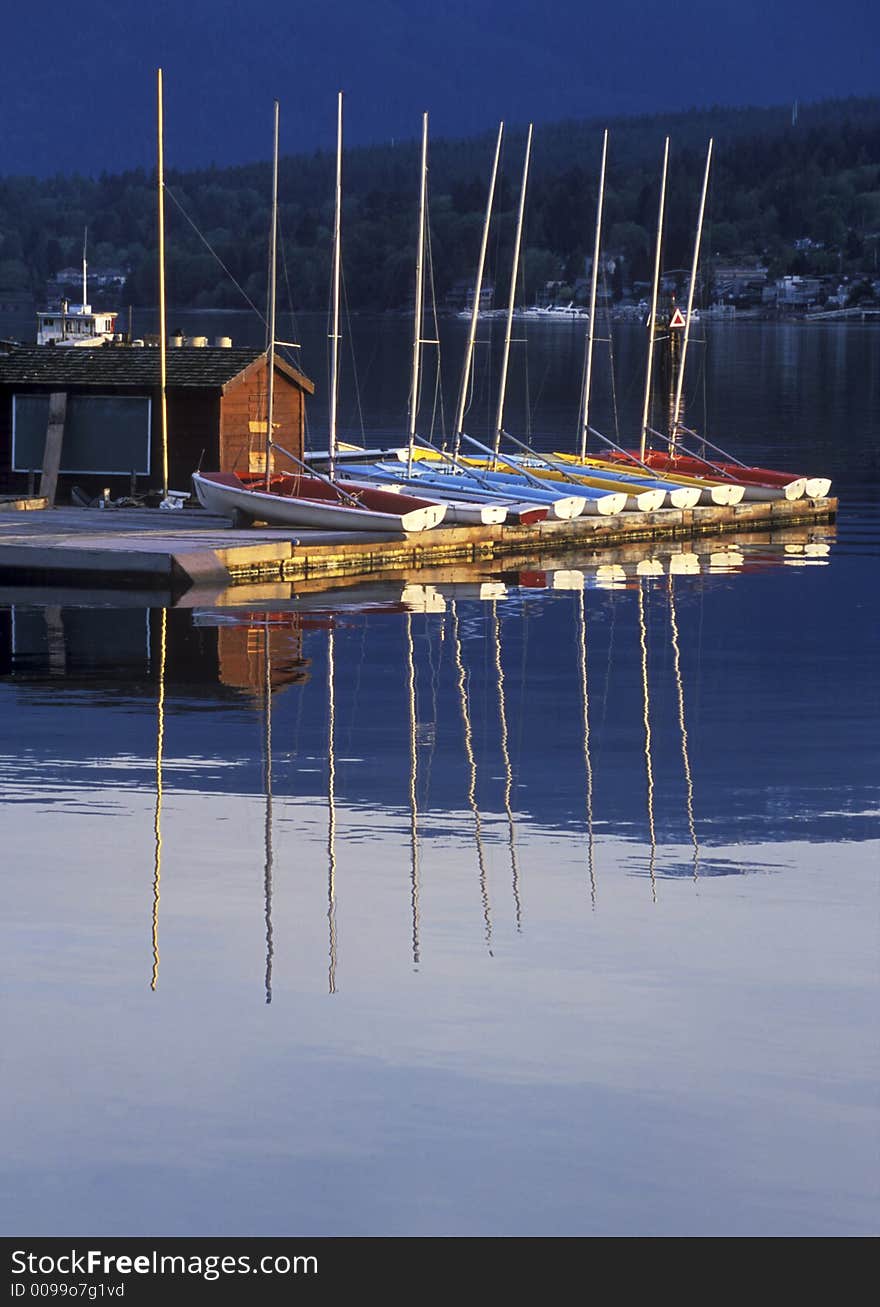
653, 314
337, 265
505, 357
420, 295
162, 367
270, 352
85, 273
676, 412
475, 309
588, 372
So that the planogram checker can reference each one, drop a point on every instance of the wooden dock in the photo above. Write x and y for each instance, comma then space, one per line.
172, 551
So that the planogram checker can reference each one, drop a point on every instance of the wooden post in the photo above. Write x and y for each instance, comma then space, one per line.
52, 450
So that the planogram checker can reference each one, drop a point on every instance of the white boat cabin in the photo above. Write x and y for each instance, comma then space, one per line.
74, 324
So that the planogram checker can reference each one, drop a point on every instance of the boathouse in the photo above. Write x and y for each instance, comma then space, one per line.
107, 403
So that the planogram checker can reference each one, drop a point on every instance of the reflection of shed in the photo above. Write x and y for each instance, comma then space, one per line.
106, 650
245, 643
110, 401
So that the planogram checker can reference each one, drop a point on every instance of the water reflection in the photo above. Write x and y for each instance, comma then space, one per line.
331, 805
508, 769
157, 817
415, 816
679, 684
557, 756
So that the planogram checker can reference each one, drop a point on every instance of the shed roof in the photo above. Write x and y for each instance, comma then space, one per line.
213, 368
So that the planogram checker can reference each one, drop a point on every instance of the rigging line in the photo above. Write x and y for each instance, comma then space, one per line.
684, 736
354, 371
704, 372
532, 407
646, 714
508, 770
436, 341
215, 255
331, 809
295, 331
157, 814
267, 749
526, 378
588, 765
472, 767
413, 789
611, 369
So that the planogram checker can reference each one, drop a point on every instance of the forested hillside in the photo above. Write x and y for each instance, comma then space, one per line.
774, 183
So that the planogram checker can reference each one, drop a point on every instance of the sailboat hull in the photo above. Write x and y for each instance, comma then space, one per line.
459, 510
309, 502
759, 483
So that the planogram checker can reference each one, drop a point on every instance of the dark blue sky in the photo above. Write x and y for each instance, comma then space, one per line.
77, 82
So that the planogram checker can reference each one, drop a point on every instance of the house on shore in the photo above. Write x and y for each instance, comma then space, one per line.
108, 401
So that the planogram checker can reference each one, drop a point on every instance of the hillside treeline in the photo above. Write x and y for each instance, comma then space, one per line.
774, 184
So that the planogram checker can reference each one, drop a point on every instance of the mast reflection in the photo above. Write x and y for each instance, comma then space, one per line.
588, 766
331, 806
267, 775
508, 770
413, 788
689, 784
157, 813
472, 769
646, 716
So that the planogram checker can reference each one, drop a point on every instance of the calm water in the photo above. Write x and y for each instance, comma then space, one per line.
533, 904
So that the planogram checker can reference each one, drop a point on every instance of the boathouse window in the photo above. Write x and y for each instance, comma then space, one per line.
102, 433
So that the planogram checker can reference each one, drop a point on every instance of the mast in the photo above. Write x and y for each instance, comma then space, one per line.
85, 272
337, 265
162, 330
505, 357
676, 412
270, 345
475, 309
588, 371
653, 314
420, 295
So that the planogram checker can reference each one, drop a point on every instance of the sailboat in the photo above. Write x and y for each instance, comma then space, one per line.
306, 498
509, 476
682, 492
607, 489
461, 510
469, 495
758, 483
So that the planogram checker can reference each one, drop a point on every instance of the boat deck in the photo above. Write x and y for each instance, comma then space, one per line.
173, 551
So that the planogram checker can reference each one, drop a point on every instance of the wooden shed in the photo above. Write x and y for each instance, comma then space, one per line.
109, 401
